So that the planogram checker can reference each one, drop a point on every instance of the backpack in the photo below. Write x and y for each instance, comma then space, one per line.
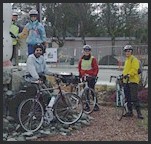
140, 69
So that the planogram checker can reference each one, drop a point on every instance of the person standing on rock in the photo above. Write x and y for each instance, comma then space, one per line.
15, 29
88, 66
130, 71
34, 32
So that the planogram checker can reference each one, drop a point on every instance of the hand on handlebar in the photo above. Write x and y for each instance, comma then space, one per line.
126, 76
39, 81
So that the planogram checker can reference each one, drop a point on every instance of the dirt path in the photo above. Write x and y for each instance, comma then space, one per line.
106, 128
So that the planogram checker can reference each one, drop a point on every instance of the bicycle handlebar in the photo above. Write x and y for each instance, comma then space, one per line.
12, 35
120, 77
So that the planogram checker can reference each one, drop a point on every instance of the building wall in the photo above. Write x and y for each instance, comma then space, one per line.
95, 41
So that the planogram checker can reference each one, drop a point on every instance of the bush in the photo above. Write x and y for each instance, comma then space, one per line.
108, 60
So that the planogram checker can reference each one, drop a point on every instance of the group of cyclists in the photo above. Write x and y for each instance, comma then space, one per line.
35, 35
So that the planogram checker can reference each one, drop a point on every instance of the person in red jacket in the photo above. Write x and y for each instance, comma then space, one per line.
88, 66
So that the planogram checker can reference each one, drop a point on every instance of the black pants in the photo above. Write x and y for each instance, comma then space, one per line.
91, 84
14, 54
131, 95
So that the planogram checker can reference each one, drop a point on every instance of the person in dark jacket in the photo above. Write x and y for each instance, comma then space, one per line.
88, 66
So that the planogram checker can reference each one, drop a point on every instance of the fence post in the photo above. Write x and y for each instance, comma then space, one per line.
119, 64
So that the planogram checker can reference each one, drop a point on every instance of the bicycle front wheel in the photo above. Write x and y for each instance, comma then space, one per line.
30, 114
88, 100
68, 108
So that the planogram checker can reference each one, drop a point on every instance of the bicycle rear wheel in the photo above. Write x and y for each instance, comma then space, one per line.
88, 100
30, 114
68, 108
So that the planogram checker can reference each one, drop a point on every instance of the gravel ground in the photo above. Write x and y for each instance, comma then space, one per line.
105, 127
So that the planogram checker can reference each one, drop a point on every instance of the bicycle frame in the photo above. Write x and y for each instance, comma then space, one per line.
79, 91
66, 107
42, 87
120, 96
83, 83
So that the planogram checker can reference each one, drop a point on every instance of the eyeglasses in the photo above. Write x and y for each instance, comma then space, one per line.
127, 50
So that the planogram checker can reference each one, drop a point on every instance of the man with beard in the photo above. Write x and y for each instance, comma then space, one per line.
36, 64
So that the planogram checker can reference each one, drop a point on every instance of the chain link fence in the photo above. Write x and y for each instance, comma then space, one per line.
105, 55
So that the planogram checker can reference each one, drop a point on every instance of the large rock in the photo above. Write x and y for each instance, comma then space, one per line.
6, 75
17, 81
13, 103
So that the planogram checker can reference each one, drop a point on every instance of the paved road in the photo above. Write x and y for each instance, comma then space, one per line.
104, 74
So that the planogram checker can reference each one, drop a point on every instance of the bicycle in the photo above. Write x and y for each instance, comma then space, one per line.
121, 104
33, 112
80, 87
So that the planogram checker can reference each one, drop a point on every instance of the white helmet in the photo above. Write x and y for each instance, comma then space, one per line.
15, 14
88, 47
128, 47
33, 12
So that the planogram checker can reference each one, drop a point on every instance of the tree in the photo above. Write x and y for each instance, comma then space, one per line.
110, 21
63, 20
141, 33
130, 18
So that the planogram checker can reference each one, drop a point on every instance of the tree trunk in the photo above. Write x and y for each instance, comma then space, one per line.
113, 46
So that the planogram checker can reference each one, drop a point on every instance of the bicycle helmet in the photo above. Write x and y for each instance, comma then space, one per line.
128, 47
15, 14
33, 12
38, 46
86, 47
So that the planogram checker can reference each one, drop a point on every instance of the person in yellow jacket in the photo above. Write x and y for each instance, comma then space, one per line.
14, 31
130, 72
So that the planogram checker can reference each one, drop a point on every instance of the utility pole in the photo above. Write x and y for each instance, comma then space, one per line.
38, 6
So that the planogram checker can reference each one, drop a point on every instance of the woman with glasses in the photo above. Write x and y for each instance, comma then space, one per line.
130, 71
88, 66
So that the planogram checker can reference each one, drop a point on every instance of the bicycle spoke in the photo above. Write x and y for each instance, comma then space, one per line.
72, 110
31, 115
89, 100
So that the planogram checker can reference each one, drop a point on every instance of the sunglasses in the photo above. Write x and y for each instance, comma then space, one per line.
87, 50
